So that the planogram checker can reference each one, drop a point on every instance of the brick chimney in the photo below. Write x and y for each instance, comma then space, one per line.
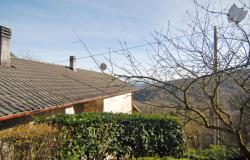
5, 35
72, 60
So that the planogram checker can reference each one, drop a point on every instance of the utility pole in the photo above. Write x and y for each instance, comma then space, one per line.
215, 67
215, 70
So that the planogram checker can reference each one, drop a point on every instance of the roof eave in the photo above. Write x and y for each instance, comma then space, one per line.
50, 108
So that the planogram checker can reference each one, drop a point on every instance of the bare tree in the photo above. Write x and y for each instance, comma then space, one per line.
195, 68
26, 54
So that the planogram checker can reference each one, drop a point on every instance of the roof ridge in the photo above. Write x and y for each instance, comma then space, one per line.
52, 64
37, 61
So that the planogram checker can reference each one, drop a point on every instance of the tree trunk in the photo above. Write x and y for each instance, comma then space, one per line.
244, 152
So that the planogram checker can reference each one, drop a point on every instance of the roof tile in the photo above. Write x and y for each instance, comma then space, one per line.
30, 85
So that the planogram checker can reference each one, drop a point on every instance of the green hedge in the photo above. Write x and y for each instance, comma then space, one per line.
213, 153
158, 158
98, 135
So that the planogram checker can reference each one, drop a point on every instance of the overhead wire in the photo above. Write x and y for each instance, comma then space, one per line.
133, 47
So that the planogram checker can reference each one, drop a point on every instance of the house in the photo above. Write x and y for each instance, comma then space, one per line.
30, 88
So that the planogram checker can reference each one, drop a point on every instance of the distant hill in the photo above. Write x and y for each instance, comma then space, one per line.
160, 100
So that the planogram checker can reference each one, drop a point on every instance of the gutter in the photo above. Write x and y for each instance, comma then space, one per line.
50, 108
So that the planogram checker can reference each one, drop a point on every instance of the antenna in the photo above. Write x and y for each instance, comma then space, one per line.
236, 14
103, 66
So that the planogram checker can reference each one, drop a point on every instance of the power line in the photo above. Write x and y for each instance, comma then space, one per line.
138, 46
114, 51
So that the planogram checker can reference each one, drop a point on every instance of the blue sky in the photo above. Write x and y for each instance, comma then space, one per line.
43, 28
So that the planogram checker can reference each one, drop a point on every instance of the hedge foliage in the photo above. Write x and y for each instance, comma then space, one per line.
213, 153
158, 158
98, 135
30, 141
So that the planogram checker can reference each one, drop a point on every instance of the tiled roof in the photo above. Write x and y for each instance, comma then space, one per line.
29, 85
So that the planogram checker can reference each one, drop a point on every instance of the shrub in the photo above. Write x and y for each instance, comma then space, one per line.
30, 141
213, 153
158, 158
98, 135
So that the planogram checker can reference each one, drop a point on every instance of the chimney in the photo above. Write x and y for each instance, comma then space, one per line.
5, 35
72, 60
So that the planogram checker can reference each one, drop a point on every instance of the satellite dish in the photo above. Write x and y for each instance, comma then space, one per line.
236, 14
103, 66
